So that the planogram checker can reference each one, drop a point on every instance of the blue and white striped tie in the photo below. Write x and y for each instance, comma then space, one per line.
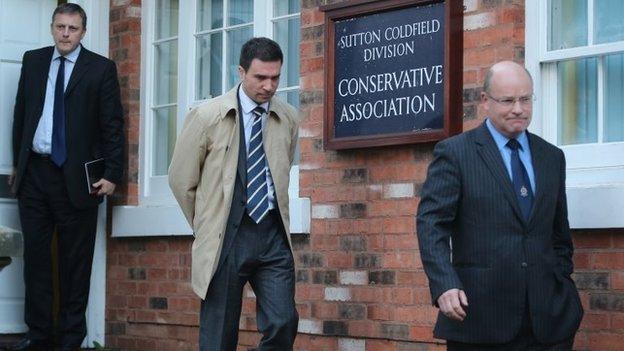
257, 187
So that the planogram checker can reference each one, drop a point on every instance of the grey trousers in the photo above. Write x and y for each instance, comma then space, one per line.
259, 255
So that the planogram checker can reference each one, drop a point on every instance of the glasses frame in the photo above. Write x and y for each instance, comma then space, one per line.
509, 102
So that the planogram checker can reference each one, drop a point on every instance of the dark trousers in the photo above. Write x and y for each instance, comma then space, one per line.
43, 207
524, 341
259, 255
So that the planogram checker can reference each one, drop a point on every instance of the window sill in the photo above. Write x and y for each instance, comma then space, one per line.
596, 206
168, 220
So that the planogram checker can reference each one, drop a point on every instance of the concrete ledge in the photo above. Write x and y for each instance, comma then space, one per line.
11, 242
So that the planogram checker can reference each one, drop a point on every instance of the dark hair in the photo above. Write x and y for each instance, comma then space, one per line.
71, 9
263, 49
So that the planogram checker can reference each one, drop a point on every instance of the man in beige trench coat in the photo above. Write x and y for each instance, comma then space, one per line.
230, 175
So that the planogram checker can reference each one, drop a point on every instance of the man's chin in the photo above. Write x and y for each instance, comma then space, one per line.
261, 99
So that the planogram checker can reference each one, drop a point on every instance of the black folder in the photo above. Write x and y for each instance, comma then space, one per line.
94, 171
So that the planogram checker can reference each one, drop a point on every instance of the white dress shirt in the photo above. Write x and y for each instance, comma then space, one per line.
42, 141
247, 104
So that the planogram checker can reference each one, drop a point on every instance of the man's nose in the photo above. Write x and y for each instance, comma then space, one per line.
269, 85
65, 32
517, 107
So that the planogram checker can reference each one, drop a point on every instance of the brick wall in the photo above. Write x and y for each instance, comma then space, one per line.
125, 50
599, 275
360, 283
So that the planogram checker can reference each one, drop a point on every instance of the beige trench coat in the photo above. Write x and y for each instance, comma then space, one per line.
203, 170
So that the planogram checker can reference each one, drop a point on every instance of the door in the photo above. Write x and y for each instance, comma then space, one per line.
24, 25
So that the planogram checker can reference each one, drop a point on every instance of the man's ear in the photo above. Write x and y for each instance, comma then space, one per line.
241, 73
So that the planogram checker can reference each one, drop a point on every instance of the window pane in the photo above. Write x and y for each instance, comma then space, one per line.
287, 36
209, 61
577, 101
292, 97
163, 139
285, 7
609, 22
614, 98
235, 40
568, 24
166, 19
166, 72
239, 12
209, 14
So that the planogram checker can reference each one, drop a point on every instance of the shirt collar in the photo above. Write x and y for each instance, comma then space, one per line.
501, 140
71, 57
247, 104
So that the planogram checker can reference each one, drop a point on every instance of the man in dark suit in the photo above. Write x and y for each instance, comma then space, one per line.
67, 112
230, 175
493, 230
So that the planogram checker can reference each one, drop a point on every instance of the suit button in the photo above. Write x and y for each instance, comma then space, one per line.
242, 203
523, 265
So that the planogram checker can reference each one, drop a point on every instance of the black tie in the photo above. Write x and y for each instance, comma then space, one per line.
520, 178
59, 151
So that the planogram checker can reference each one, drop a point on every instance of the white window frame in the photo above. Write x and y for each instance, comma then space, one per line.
595, 171
158, 213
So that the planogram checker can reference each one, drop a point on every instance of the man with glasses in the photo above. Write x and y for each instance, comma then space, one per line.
493, 229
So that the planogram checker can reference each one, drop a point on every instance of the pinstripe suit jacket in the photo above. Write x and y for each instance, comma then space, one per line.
499, 259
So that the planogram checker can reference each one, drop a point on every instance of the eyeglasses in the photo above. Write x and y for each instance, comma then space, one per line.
511, 101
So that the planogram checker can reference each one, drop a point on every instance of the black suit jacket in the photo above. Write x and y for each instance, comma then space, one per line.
93, 119
498, 258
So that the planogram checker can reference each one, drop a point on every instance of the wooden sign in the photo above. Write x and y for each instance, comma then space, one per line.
393, 72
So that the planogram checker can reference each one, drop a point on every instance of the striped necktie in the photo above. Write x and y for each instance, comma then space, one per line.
257, 187
520, 179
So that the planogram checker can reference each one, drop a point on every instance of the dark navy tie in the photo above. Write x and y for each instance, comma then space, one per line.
59, 150
520, 178
257, 187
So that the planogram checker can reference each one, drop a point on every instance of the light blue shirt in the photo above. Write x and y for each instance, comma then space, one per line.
42, 141
524, 151
247, 104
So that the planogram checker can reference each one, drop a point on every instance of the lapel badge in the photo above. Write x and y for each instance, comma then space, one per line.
524, 192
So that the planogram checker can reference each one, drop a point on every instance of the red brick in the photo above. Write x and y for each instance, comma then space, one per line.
608, 260
401, 241
595, 321
606, 341
617, 280
401, 259
592, 240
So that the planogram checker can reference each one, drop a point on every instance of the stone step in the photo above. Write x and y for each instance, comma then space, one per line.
11, 242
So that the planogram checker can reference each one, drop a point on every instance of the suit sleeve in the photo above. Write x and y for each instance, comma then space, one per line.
111, 124
437, 211
187, 162
562, 240
18, 113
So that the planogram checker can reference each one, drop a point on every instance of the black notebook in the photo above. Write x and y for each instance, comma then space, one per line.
94, 171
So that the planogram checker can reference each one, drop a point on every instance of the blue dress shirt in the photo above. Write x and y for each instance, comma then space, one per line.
524, 152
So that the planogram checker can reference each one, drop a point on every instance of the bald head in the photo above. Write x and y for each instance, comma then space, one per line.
503, 68
507, 98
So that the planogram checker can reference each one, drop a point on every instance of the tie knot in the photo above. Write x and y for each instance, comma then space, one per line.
514, 144
258, 111
62, 59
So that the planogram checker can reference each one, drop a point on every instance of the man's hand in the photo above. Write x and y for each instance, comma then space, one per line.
12, 177
104, 187
451, 303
